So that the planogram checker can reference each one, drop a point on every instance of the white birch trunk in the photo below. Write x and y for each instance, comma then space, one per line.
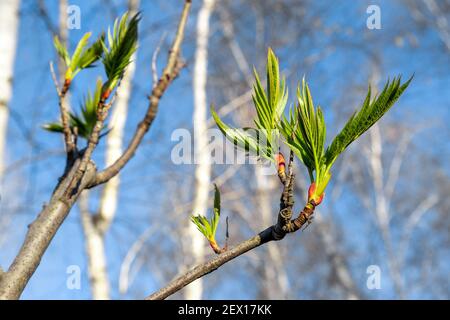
337, 260
202, 156
9, 24
382, 203
95, 249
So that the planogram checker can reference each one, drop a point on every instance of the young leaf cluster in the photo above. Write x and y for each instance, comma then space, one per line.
209, 227
83, 57
122, 42
85, 122
269, 105
304, 131
370, 112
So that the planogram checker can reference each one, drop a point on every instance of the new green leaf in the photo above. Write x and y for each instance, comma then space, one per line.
269, 105
86, 122
122, 43
209, 227
370, 112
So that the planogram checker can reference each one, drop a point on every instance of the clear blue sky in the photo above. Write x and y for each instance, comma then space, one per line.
34, 103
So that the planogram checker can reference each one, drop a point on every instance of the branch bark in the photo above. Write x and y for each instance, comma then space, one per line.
79, 176
41, 232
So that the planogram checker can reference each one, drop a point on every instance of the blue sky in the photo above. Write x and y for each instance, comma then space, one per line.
35, 102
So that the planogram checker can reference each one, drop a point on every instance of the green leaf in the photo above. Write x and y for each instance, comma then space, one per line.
243, 139
203, 225
273, 80
86, 122
122, 43
198, 221
209, 227
53, 127
269, 107
78, 50
362, 120
92, 54
305, 130
82, 58
61, 50
215, 219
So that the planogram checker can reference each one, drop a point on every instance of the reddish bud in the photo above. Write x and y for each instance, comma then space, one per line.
66, 86
105, 95
213, 244
312, 195
280, 162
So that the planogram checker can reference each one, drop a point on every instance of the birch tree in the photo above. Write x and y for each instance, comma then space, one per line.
9, 25
202, 154
96, 225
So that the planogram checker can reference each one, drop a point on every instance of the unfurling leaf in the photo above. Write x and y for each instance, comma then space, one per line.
209, 227
53, 127
81, 58
304, 131
122, 43
86, 122
61, 50
366, 117
269, 105
92, 54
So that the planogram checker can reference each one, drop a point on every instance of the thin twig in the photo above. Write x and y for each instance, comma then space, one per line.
154, 58
170, 72
273, 233
63, 109
55, 80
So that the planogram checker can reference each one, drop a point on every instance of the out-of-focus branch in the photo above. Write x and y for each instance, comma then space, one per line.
234, 104
441, 21
382, 207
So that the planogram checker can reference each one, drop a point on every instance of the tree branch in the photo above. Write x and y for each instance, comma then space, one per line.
170, 72
276, 232
78, 176
65, 117
40, 234
207, 267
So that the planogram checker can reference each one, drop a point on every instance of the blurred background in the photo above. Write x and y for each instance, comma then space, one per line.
385, 213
